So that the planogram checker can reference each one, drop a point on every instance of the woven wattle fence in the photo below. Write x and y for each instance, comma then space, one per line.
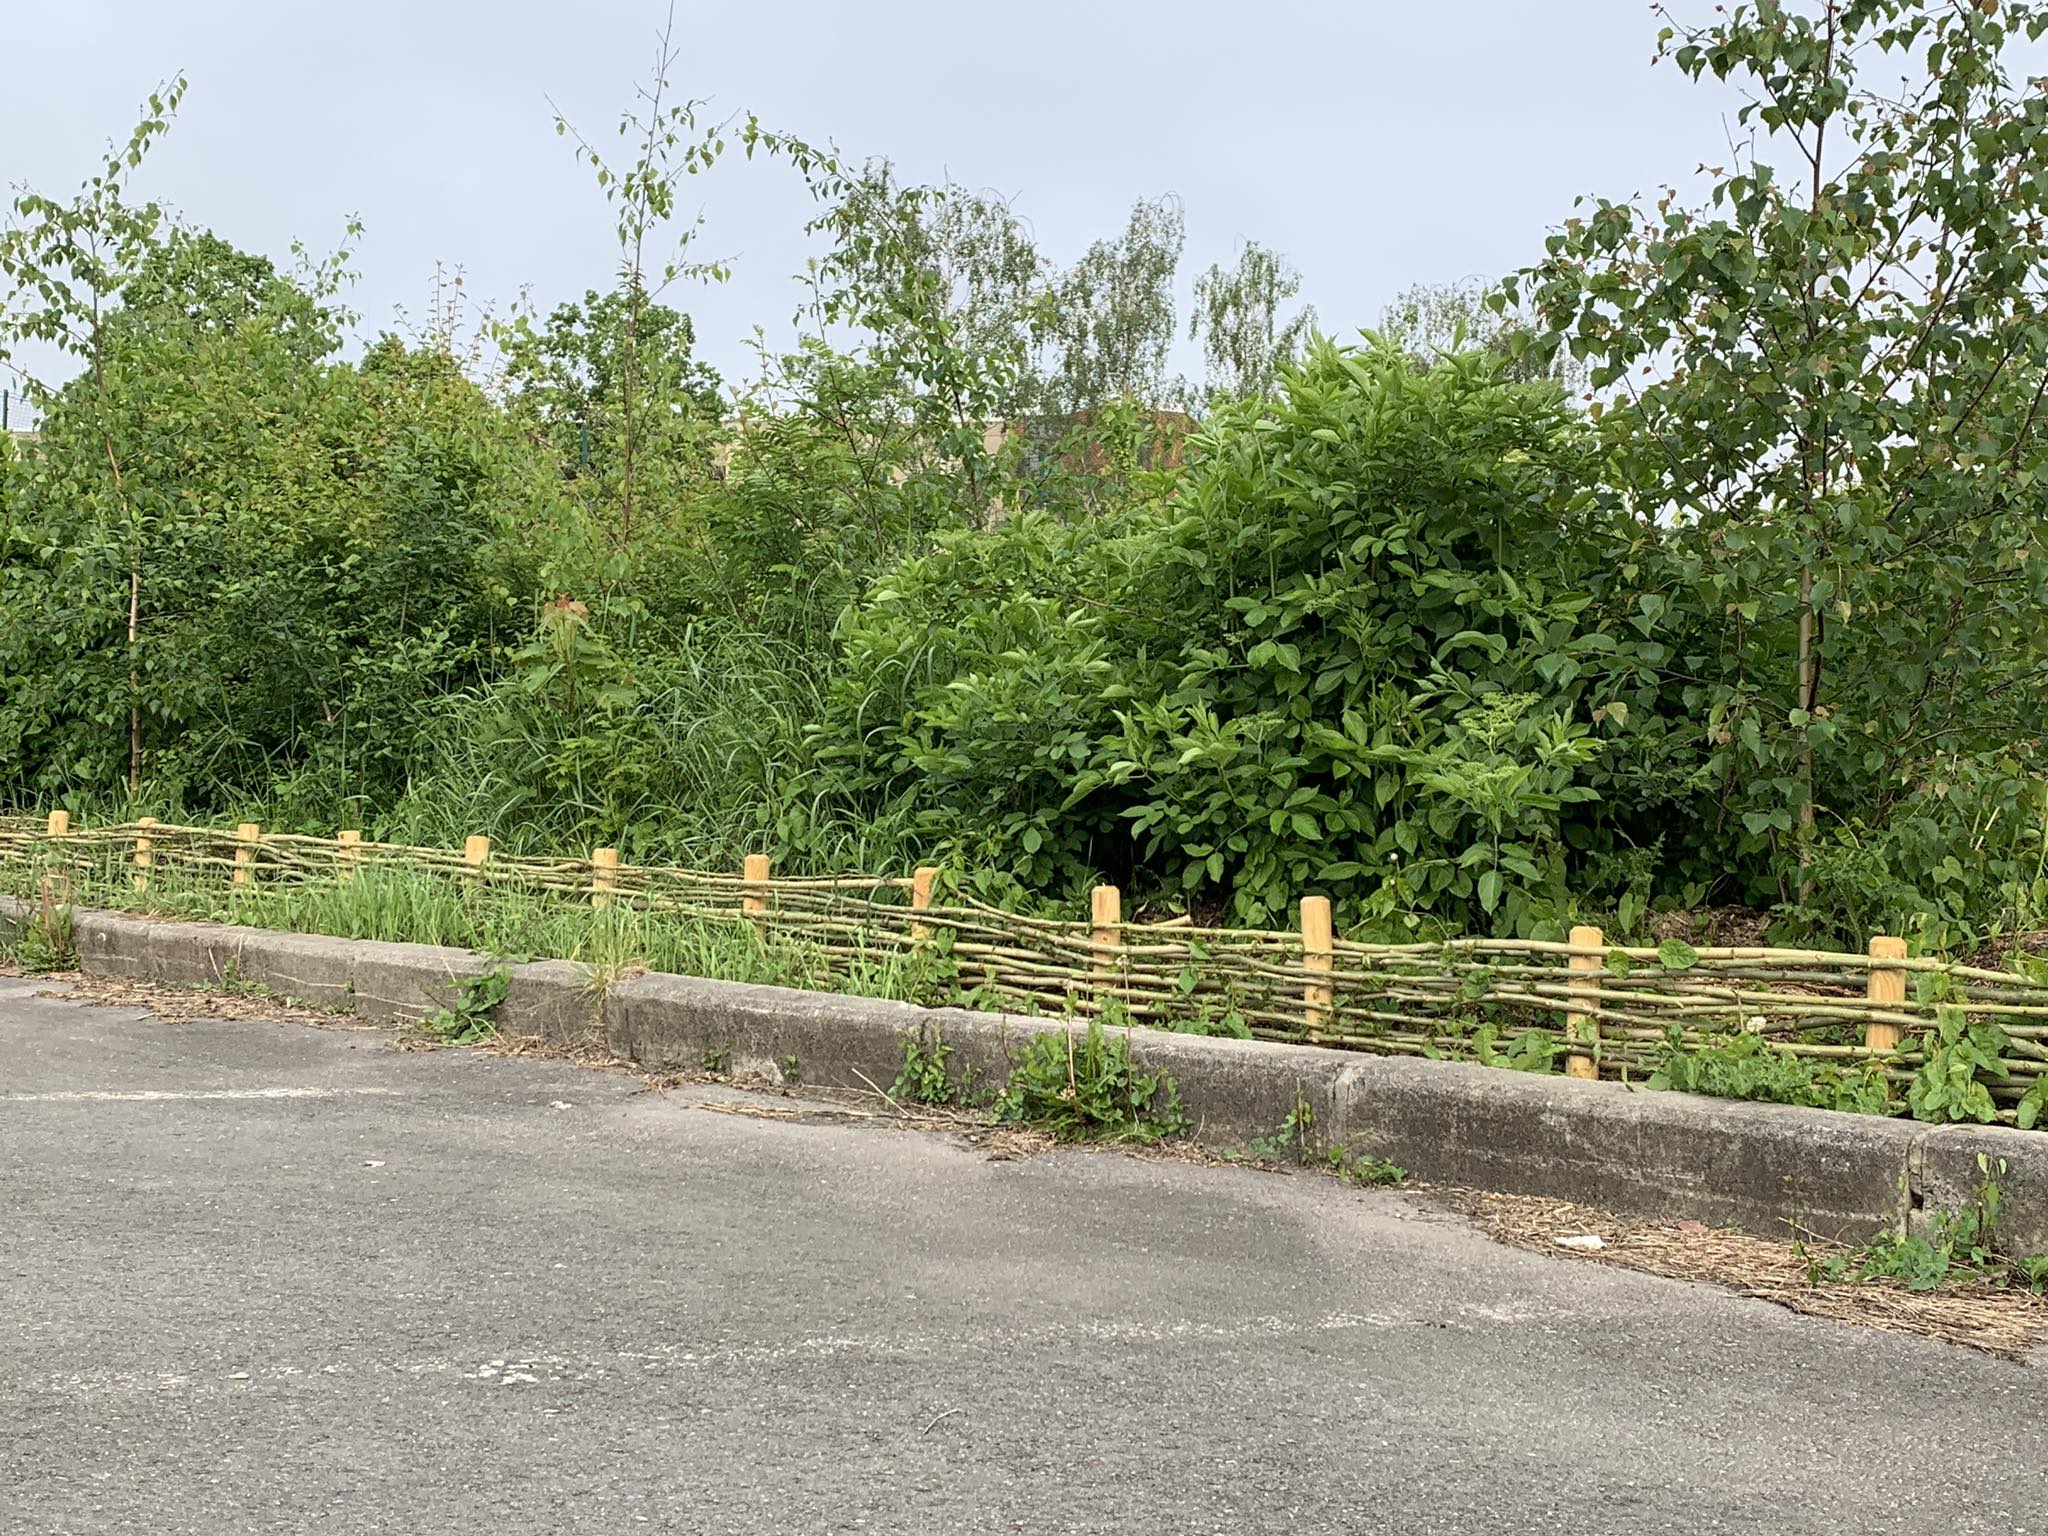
1615, 1011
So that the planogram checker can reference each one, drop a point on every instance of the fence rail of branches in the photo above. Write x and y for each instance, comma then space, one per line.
1609, 1010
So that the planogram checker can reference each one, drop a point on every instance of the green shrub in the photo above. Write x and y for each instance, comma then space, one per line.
1349, 653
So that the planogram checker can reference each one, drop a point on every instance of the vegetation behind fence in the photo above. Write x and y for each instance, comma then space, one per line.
1700, 563
1878, 1032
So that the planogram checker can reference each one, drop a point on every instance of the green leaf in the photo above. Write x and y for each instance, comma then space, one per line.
1677, 955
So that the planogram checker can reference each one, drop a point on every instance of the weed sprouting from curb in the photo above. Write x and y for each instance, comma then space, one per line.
1961, 1244
1290, 1144
1090, 1092
1296, 1142
44, 942
925, 1078
1358, 1168
466, 1020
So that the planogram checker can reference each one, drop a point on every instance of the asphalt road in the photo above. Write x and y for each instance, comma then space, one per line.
261, 1277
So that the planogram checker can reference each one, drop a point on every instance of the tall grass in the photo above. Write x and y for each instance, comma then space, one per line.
698, 756
694, 751
401, 905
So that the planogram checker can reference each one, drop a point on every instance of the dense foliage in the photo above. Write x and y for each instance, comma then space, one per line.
1702, 563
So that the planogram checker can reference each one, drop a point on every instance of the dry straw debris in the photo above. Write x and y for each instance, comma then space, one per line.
1967, 1311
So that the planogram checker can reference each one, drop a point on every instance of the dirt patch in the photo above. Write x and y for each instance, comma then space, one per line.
1998, 1320
1712, 927
1996, 954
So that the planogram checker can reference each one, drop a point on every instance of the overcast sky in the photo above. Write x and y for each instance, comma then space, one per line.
1376, 142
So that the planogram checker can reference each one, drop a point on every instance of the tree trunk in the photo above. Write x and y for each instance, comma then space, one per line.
627, 378
1807, 693
134, 681
1809, 657
99, 378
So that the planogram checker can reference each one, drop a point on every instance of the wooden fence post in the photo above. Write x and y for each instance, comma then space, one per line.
247, 835
476, 851
1106, 920
604, 875
920, 900
754, 901
1318, 957
1888, 986
143, 856
1580, 1026
351, 841
57, 868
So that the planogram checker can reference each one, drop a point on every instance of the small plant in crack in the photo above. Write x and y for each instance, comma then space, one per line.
1362, 1168
1293, 1141
1296, 1142
230, 981
1958, 1245
925, 1078
466, 1019
44, 943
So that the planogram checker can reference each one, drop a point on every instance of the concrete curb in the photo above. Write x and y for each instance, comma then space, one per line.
1625, 1150
551, 1000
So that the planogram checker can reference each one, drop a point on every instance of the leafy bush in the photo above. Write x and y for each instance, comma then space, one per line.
299, 582
1347, 652
1353, 573
974, 689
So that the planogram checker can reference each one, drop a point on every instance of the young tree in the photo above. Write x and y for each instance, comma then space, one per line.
668, 143
210, 375
1237, 318
945, 289
929, 271
65, 265
1829, 377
